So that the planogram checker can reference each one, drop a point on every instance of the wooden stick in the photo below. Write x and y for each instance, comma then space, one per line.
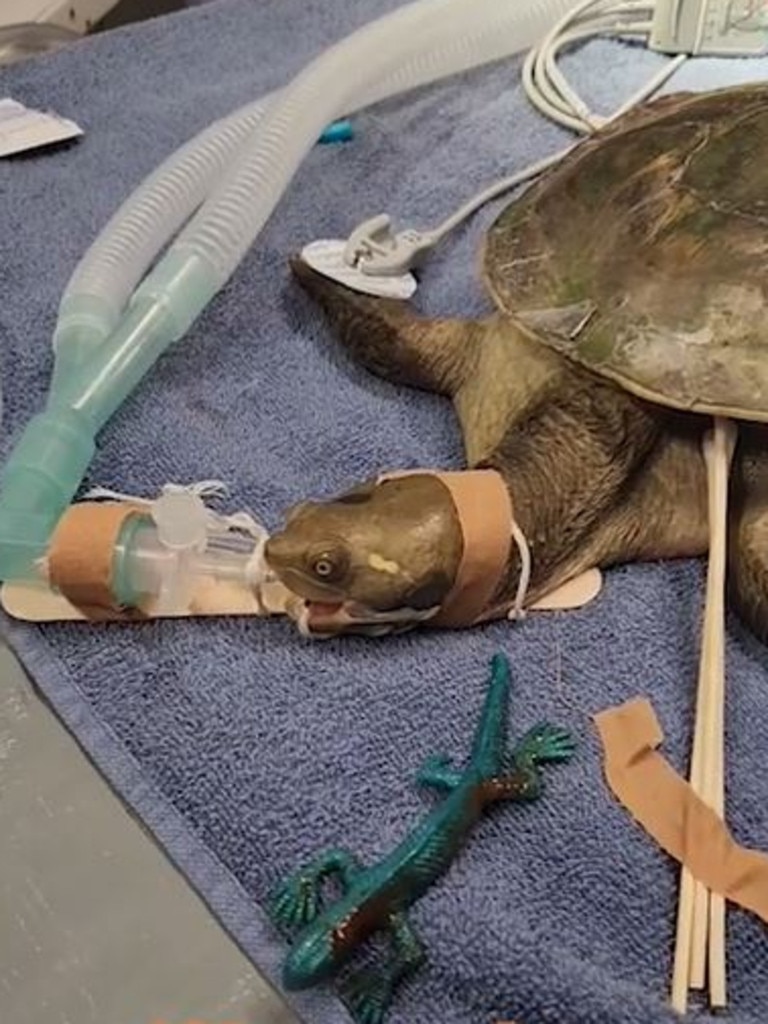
705, 727
681, 969
716, 793
718, 993
718, 453
695, 904
700, 918
718, 996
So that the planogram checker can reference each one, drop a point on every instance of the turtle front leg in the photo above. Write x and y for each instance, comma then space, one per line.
368, 993
662, 513
297, 900
390, 340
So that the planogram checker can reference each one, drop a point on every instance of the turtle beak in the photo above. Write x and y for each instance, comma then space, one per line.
278, 552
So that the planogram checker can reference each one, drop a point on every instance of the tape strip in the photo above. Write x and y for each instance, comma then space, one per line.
484, 508
485, 512
670, 811
81, 553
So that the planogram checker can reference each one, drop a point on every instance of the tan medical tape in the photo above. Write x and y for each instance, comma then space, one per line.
484, 508
81, 553
485, 512
670, 811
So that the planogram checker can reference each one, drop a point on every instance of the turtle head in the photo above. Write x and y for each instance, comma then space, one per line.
379, 558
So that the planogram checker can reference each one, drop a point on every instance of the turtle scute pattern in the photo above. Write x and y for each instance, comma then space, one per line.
644, 254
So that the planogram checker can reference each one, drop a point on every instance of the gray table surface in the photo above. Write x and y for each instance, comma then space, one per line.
96, 924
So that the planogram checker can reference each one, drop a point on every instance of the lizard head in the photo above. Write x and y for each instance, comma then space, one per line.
377, 559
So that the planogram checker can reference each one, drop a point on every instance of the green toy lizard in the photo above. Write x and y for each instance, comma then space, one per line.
376, 898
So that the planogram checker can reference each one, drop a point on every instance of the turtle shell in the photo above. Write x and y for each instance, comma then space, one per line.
643, 255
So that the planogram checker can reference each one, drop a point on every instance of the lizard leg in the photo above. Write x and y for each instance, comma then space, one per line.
543, 744
438, 772
368, 993
520, 778
296, 901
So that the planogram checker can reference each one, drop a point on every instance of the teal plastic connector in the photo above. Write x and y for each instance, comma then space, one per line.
91, 380
37, 484
339, 131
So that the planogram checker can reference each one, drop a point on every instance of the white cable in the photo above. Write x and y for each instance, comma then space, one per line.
518, 608
375, 250
217, 522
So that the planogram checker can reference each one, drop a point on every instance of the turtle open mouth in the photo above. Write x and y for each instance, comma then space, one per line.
325, 615
328, 618
320, 614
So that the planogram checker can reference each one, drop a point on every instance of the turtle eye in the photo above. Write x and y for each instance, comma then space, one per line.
323, 567
329, 566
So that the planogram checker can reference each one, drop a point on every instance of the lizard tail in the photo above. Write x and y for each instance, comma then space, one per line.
490, 740
512, 774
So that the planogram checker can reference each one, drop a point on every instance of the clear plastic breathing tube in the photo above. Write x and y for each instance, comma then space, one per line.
116, 262
465, 35
96, 369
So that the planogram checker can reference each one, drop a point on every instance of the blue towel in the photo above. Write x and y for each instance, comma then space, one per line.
248, 750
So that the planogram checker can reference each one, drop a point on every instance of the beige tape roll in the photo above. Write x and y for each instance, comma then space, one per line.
80, 556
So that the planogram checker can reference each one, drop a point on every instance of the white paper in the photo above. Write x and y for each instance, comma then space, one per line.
22, 129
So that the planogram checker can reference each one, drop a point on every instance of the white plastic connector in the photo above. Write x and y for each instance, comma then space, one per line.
188, 540
328, 256
716, 28
181, 519
374, 249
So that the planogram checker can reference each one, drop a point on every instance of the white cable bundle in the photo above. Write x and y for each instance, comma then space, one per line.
551, 94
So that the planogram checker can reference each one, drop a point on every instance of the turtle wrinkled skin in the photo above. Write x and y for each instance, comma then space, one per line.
631, 286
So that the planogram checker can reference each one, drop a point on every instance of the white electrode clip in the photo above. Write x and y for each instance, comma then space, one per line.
373, 247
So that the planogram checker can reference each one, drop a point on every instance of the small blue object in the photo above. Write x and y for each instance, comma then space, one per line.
339, 131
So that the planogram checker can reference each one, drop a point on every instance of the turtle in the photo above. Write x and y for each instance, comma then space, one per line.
630, 292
